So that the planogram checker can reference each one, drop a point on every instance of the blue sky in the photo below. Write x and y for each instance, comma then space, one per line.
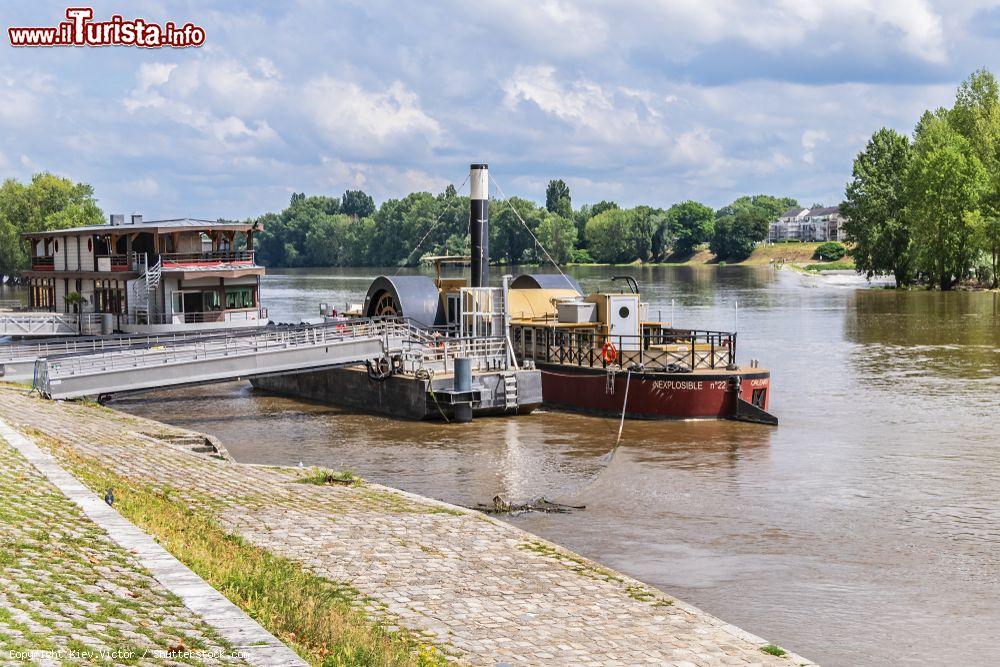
639, 101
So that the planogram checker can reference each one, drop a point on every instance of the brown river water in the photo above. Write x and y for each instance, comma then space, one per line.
865, 529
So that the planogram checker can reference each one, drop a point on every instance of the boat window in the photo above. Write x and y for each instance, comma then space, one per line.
211, 300
623, 311
239, 298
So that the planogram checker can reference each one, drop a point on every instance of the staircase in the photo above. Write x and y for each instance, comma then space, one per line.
144, 300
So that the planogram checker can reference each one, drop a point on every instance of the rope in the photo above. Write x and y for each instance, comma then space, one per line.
433, 225
535, 238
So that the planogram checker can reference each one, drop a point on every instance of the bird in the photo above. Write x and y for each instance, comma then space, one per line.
109, 497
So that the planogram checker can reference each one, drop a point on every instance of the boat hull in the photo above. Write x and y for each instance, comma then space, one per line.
655, 395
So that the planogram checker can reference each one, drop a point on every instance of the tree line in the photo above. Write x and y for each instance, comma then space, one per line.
927, 209
351, 231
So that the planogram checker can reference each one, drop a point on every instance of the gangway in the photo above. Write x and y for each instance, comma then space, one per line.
268, 352
17, 360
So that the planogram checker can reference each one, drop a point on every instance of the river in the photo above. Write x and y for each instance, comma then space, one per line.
864, 529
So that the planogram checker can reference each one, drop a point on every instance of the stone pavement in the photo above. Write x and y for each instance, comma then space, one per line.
67, 591
483, 590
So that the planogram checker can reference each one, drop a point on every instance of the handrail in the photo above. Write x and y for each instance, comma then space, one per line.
657, 348
212, 256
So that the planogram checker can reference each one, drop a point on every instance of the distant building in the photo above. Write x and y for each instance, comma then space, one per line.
803, 224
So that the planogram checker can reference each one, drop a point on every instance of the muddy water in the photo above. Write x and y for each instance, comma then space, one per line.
863, 530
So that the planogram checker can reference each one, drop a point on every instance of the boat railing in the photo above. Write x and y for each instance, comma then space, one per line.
438, 353
657, 348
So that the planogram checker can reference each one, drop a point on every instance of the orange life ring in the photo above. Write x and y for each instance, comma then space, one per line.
608, 352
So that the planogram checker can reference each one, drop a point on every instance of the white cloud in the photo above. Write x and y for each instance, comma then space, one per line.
369, 122
599, 113
810, 140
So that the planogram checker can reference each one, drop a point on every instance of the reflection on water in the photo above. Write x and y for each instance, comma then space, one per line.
864, 529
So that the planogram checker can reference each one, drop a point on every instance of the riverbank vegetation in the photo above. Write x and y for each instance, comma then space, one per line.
352, 231
927, 209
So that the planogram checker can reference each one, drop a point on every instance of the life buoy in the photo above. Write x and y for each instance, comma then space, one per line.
608, 352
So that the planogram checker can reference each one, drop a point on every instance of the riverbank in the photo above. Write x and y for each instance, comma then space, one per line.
448, 583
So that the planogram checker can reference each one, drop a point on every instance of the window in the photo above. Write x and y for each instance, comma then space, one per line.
239, 298
211, 300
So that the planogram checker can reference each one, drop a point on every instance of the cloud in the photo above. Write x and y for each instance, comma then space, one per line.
368, 122
637, 100
810, 140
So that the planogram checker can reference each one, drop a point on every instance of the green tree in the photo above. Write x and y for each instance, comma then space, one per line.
772, 207
944, 184
690, 224
557, 199
874, 203
976, 116
509, 240
611, 236
737, 234
47, 202
558, 235
357, 204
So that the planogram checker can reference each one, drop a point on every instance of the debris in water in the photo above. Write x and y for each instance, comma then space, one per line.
502, 506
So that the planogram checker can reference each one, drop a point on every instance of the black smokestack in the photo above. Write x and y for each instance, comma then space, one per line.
479, 225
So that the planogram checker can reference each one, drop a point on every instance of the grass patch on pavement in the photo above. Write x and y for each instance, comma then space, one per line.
323, 477
320, 619
771, 649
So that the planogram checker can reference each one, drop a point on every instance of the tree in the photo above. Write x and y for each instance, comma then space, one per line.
976, 116
771, 207
47, 202
736, 235
690, 224
944, 184
610, 236
875, 199
558, 235
357, 204
557, 199
509, 240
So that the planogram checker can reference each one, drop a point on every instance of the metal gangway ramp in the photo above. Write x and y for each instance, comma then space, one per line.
262, 352
17, 359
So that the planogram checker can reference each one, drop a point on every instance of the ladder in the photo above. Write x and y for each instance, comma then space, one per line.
510, 391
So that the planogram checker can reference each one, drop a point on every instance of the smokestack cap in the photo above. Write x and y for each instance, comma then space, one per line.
479, 166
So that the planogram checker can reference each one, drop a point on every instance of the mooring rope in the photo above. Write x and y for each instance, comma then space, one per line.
535, 238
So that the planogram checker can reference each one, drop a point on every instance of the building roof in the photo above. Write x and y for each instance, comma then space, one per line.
128, 227
794, 212
825, 210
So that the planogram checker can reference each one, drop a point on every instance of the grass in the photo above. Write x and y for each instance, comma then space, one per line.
831, 266
322, 477
321, 620
771, 649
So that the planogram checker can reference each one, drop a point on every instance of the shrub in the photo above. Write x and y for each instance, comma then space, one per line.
831, 251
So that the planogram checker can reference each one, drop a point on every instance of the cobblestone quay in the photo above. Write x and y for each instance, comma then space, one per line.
484, 591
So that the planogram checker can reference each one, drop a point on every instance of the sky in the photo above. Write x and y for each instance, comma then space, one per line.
637, 101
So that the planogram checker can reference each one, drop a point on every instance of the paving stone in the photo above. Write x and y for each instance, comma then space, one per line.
487, 590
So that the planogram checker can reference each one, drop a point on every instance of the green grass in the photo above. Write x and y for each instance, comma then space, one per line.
320, 619
771, 649
830, 266
322, 477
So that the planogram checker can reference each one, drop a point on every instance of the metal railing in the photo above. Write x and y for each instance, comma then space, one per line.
439, 353
210, 316
658, 348
225, 256
392, 332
